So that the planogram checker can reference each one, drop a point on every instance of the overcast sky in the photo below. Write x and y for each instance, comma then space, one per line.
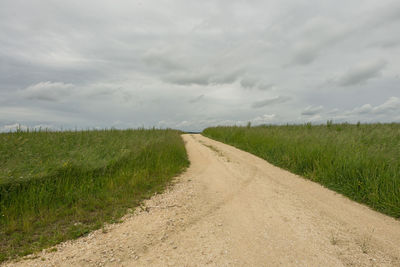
192, 64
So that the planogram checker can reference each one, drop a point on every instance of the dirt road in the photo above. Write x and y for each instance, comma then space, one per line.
233, 209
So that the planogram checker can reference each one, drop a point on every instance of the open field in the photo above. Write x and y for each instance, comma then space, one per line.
231, 208
56, 186
360, 161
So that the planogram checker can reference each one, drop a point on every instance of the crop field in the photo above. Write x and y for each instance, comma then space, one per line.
359, 161
56, 186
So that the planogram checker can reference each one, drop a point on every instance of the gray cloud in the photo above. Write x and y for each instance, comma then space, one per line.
305, 55
48, 91
196, 99
270, 101
97, 63
254, 83
385, 44
203, 77
323, 33
311, 110
248, 83
318, 34
266, 86
362, 73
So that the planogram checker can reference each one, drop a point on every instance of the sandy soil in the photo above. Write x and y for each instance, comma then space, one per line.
232, 208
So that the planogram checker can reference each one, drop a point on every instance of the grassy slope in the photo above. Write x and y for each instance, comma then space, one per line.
359, 161
56, 186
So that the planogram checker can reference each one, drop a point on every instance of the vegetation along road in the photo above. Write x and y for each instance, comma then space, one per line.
233, 208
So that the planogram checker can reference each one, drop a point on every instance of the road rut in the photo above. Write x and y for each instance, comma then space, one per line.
231, 208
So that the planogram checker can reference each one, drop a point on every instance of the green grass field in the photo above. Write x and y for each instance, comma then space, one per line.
360, 161
56, 186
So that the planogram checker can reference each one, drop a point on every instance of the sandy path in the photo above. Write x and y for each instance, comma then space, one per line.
232, 208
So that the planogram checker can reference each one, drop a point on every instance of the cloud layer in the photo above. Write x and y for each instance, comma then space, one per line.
193, 64
362, 73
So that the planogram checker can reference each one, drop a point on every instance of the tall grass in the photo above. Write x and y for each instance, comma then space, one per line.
60, 185
360, 161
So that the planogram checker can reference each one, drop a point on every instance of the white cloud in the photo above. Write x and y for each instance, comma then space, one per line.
364, 109
13, 127
264, 119
391, 106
